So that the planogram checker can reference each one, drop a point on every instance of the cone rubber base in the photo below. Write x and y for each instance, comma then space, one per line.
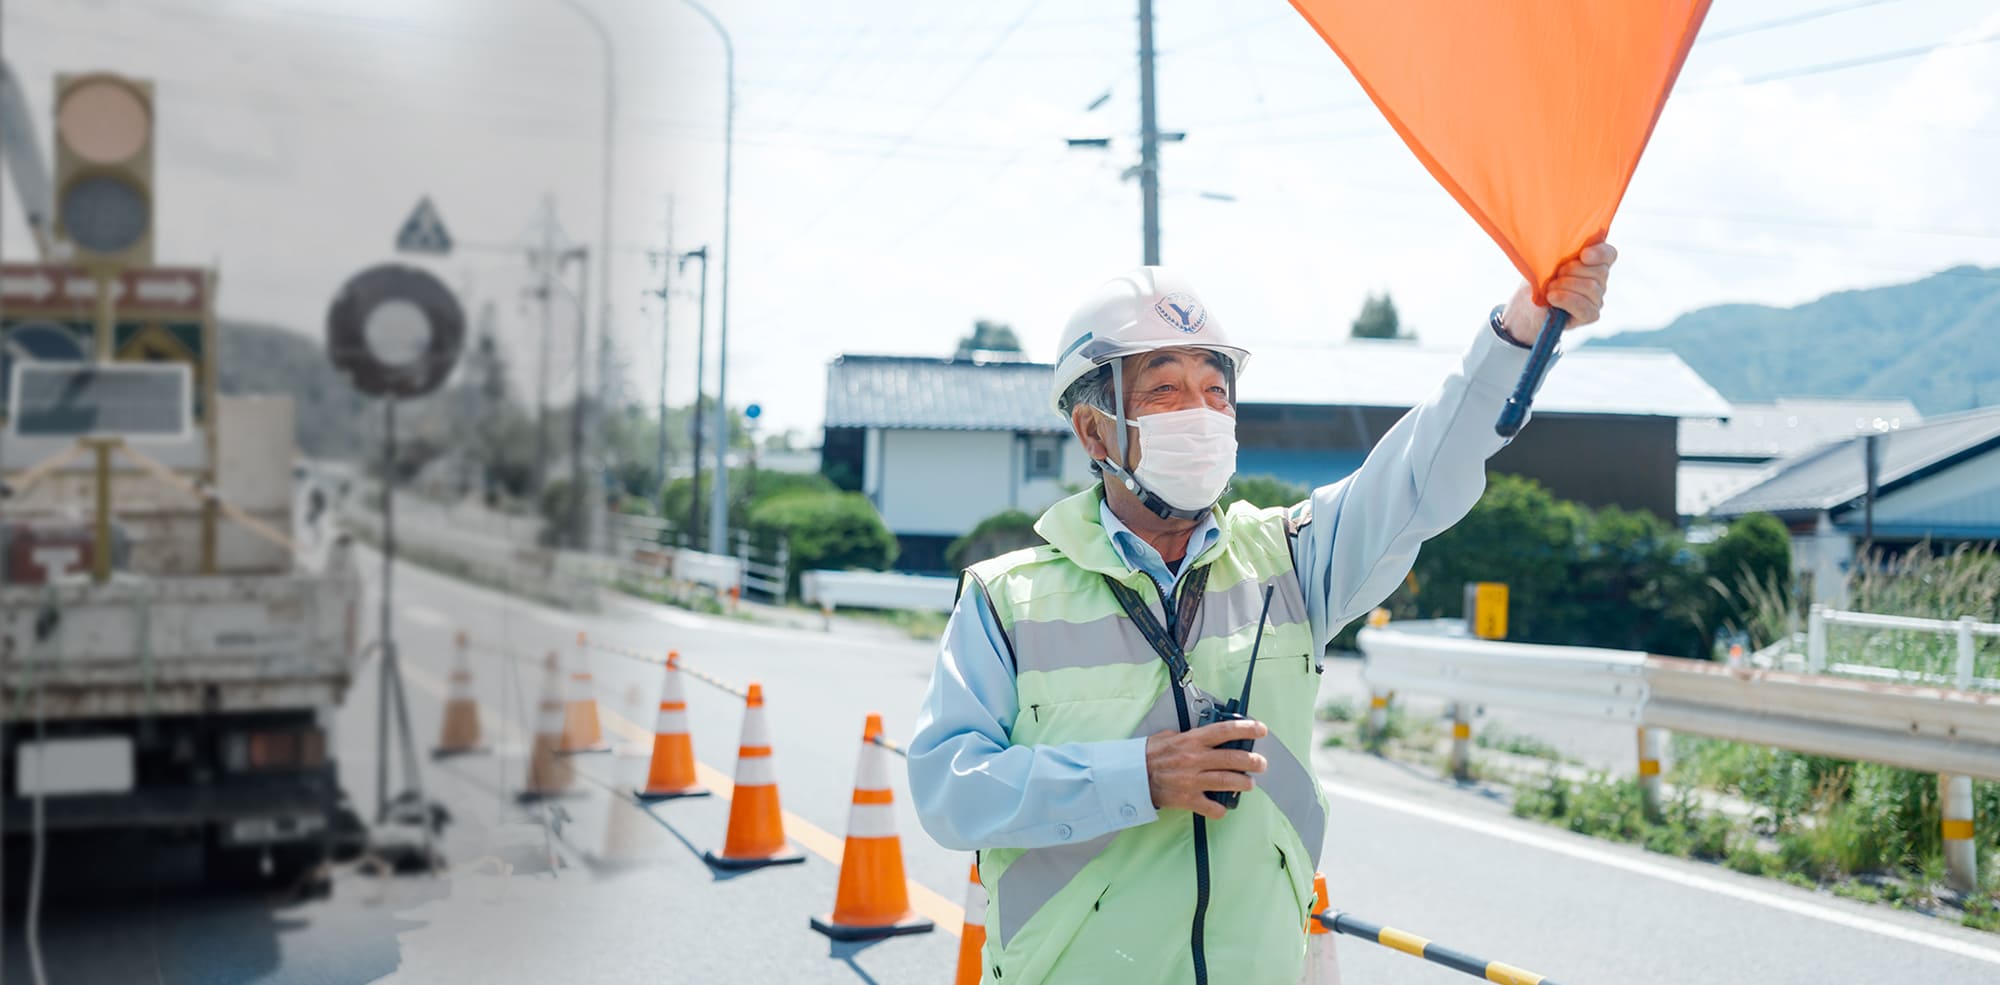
745, 864
442, 753
653, 798
531, 797
586, 750
910, 924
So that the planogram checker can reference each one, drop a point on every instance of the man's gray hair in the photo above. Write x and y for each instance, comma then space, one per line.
1092, 389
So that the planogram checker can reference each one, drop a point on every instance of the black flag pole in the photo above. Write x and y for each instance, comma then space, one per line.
1515, 413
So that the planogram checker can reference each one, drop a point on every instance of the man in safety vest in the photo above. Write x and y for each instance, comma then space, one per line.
1062, 735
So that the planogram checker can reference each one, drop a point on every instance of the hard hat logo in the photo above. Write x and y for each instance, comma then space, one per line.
1182, 311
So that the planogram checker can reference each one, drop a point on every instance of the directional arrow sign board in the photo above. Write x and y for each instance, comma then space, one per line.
161, 316
423, 231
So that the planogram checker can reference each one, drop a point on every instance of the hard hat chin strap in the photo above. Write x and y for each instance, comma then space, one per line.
1147, 498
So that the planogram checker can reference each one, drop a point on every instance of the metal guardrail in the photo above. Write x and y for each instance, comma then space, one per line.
1954, 732
643, 543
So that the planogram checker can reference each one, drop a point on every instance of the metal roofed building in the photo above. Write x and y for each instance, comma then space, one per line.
940, 444
1604, 431
1720, 458
1937, 481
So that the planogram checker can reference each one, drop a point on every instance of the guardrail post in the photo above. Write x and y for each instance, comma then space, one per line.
1961, 855
1649, 771
1378, 718
1816, 639
1461, 743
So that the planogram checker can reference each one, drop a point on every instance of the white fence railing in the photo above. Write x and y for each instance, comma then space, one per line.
877, 590
1954, 731
644, 542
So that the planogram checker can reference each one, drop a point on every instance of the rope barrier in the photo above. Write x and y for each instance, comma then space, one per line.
619, 651
1411, 944
891, 746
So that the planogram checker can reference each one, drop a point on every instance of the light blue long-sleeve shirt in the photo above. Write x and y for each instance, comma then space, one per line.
974, 789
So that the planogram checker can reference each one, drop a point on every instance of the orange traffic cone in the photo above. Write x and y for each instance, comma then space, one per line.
873, 900
1322, 966
549, 775
756, 836
461, 711
581, 732
672, 772
972, 940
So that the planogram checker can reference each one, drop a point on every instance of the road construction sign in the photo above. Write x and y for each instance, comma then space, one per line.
160, 315
1489, 610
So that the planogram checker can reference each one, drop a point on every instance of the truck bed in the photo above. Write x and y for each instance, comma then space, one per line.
181, 645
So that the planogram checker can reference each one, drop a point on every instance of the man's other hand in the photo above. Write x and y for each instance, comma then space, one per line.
1578, 288
1182, 767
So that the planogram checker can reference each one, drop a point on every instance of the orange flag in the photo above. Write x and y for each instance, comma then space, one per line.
1532, 114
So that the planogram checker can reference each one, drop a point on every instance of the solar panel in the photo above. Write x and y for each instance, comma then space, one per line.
134, 401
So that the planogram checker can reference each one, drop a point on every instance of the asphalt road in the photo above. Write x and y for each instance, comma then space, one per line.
616, 894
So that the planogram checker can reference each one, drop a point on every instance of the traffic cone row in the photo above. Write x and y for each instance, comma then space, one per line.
972, 940
756, 835
873, 900
581, 731
549, 774
671, 773
460, 734
1322, 964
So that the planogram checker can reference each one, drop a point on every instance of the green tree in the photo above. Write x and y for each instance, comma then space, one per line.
1378, 319
1262, 490
1519, 534
1007, 530
989, 336
825, 530
1751, 560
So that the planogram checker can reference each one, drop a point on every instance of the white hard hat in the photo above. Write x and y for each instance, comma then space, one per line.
1140, 311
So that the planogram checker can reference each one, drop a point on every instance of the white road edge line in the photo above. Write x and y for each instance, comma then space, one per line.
1598, 856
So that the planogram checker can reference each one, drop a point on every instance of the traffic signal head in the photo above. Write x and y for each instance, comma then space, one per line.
104, 169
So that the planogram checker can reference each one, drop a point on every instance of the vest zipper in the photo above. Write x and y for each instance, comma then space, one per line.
1037, 710
1196, 947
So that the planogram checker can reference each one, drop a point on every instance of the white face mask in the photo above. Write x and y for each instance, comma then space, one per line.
1188, 455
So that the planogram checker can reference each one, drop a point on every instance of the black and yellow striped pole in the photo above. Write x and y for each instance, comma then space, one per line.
1411, 944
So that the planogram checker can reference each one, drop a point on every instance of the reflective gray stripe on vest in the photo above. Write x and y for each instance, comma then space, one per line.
1113, 640
1039, 874
1230, 612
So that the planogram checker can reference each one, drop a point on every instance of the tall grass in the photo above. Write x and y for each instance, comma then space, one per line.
1835, 818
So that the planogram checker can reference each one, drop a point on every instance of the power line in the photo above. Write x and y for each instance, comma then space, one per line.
1788, 21
1856, 62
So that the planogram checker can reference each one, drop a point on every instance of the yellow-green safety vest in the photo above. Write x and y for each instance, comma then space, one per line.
1123, 907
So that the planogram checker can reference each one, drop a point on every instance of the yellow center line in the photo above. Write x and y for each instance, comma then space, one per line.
949, 916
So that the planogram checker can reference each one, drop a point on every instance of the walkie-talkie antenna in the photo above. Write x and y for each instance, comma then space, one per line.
1243, 703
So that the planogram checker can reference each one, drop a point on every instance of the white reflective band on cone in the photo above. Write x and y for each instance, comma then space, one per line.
1322, 962
671, 722
872, 821
755, 771
755, 731
872, 772
975, 904
550, 720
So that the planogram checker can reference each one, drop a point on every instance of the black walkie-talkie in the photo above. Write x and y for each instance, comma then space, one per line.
1238, 709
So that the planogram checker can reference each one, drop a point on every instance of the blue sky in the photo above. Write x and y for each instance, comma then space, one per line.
901, 170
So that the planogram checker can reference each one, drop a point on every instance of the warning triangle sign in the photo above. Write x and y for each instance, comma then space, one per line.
423, 231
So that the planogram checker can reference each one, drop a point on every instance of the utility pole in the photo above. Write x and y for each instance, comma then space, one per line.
666, 310
1149, 138
579, 419
700, 370
547, 262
